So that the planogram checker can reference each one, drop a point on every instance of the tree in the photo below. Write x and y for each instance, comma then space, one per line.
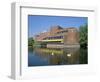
30, 41
83, 30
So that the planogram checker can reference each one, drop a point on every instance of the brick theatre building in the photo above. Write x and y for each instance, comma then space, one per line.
58, 37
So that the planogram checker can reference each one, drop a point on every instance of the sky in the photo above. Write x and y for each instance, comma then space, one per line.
39, 23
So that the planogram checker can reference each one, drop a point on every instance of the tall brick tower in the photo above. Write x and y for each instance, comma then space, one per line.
72, 37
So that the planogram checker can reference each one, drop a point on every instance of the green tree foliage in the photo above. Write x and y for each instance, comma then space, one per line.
30, 42
83, 36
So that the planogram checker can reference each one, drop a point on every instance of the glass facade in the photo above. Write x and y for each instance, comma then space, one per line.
53, 37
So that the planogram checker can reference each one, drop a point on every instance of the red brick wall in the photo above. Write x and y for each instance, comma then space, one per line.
42, 36
72, 37
54, 30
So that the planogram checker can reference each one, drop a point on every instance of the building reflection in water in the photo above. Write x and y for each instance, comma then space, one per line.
58, 56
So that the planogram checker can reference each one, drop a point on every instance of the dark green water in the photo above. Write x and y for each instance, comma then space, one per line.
45, 56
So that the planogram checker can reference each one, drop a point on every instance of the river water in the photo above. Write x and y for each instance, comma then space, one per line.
47, 56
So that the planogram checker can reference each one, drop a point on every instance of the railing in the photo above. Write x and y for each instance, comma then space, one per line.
53, 40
